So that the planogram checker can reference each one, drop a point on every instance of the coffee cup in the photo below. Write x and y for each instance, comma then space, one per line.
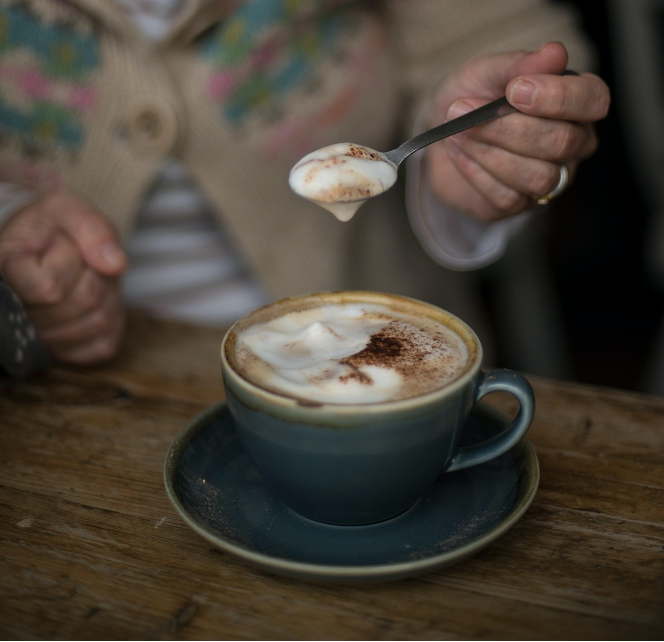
351, 461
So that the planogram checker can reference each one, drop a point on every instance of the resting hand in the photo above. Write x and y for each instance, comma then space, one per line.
63, 260
497, 169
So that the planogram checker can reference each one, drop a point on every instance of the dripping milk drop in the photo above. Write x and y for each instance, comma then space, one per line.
342, 177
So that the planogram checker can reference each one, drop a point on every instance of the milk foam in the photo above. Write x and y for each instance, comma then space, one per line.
350, 353
342, 177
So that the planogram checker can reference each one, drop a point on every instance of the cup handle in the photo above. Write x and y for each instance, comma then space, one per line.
493, 381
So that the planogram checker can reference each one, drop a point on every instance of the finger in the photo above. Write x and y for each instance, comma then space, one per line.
92, 325
88, 294
93, 233
488, 76
528, 176
47, 278
451, 187
584, 98
543, 138
96, 351
503, 200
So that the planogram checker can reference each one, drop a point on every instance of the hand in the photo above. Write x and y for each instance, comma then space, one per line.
63, 259
495, 170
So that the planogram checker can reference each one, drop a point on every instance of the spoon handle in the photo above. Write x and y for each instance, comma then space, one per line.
494, 109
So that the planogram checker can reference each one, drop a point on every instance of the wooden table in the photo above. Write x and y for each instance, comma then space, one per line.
90, 546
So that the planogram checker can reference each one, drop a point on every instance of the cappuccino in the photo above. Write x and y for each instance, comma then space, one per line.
350, 353
342, 177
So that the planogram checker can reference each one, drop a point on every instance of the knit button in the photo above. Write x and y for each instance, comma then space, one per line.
153, 128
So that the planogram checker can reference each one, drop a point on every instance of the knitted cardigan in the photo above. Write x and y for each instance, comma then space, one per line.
239, 91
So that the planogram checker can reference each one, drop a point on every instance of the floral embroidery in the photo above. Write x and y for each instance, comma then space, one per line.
45, 68
30, 172
257, 63
298, 134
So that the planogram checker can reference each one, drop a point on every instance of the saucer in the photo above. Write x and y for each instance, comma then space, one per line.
218, 492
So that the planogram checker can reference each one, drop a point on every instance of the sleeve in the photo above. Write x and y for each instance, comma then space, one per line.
21, 350
449, 237
13, 198
433, 38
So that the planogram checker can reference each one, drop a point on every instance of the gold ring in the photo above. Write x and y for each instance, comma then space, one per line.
563, 182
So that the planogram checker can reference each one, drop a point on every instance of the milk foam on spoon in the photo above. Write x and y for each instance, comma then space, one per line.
325, 354
342, 177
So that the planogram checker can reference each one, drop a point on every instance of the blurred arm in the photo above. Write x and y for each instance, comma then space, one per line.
432, 39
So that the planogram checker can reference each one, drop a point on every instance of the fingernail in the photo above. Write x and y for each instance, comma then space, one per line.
522, 93
113, 254
458, 108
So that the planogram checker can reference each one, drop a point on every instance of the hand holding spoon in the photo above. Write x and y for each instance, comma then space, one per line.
343, 176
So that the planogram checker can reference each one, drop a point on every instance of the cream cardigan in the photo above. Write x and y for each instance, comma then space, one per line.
239, 91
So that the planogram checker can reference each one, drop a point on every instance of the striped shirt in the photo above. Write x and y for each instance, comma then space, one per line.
182, 262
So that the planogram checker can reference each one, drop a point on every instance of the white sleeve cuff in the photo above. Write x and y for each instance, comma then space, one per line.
13, 198
450, 237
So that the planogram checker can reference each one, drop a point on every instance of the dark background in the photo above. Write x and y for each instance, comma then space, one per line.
611, 309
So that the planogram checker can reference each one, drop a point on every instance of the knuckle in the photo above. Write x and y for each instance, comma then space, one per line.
564, 141
49, 290
544, 179
557, 97
604, 105
506, 200
89, 294
601, 97
467, 167
100, 322
501, 129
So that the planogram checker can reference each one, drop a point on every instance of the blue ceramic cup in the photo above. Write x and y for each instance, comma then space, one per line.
352, 464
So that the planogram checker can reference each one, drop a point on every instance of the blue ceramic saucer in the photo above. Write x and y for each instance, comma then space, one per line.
218, 492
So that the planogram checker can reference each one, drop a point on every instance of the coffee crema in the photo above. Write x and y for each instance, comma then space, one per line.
350, 353
342, 177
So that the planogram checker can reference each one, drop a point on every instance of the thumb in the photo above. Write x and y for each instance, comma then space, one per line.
550, 58
94, 234
488, 76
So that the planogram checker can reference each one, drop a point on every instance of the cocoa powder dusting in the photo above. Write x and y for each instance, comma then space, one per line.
396, 346
356, 375
363, 152
424, 361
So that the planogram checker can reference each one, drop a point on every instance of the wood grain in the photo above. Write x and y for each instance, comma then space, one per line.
91, 548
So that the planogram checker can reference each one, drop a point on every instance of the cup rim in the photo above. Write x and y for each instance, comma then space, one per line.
281, 400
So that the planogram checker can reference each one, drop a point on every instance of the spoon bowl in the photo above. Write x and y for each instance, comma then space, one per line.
342, 177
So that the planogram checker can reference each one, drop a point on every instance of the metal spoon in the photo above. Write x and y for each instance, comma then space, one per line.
345, 209
484, 114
